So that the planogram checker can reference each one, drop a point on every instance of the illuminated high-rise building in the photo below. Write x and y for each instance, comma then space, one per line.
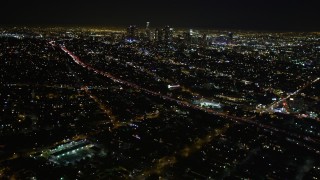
148, 32
194, 36
132, 32
148, 25
168, 34
158, 35
204, 41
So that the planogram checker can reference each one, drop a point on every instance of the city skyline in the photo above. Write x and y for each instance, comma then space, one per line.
160, 90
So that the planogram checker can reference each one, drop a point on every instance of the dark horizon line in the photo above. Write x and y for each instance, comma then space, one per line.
139, 26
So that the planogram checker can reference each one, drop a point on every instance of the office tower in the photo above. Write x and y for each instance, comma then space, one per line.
148, 32
132, 32
158, 35
148, 24
168, 34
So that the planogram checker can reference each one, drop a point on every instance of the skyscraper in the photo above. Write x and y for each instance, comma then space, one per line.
168, 34
148, 24
132, 32
148, 32
158, 35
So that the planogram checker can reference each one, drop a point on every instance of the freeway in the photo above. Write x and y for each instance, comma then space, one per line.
78, 61
248, 120
270, 107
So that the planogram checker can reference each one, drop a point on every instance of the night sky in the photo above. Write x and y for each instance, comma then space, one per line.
275, 15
